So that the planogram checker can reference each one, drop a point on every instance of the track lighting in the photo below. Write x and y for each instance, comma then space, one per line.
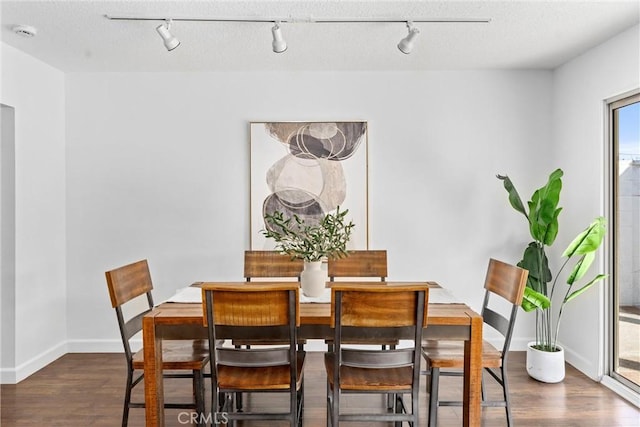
170, 42
406, 44
279, 44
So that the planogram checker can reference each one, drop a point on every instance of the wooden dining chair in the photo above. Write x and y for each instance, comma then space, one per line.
125, 284
268, 265
502, 280
359, 264
269, 311
271, 265
361, 311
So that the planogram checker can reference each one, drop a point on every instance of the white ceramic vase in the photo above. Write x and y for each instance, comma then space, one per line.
545, 366
313, 278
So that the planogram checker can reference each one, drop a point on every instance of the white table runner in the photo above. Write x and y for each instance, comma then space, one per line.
190, 294
193, 294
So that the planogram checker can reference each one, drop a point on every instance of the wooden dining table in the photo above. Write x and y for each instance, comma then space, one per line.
445, 321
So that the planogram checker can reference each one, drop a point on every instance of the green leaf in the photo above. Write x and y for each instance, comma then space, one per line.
552, 229
543, 208
535, 260
556, 174
548, 203
314, 241
574, 294
581, 267
533, 300
588, 240
514, 197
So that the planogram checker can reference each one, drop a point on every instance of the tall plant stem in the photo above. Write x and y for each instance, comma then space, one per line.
538, 323
553, 339
564, 300
543, 321
553, 286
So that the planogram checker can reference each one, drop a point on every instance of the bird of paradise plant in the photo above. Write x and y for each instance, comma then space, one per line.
542, 216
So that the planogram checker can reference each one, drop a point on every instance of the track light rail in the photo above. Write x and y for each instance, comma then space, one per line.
305, 20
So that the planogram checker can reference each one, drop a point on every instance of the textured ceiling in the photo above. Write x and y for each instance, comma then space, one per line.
74, 36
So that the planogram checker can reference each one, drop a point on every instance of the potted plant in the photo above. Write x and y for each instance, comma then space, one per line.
310, 241
542, 217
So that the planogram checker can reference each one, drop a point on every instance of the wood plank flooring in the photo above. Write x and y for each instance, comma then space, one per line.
87, 390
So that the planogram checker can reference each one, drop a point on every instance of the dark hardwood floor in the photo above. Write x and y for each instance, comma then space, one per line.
87, 389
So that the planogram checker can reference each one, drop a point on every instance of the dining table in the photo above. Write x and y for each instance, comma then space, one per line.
446, 320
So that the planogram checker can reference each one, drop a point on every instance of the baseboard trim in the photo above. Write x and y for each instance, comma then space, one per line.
33, 365
517, 344
621, 390
580, 363
101, 346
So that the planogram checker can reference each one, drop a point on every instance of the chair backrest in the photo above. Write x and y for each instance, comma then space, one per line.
262, 311
126, 283
359, 264
361, 311
508, 282
271, 264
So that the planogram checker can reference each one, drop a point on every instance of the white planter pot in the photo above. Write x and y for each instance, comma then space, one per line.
313, 278
545, 366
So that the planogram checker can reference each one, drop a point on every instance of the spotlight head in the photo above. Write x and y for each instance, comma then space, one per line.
279, 45
406, 44
170, 42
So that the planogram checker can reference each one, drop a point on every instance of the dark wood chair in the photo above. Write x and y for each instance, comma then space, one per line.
503, 280
134, 280
269, 311
361, 311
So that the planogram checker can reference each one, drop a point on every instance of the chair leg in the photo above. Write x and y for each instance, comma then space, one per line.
483, 392
198, 395
335, 407
239, 395
300, 403
300, 408
391, 398
127, 398
239, 402
293, 406
329, 402
505, 391
433, 398
220, 402
398, 407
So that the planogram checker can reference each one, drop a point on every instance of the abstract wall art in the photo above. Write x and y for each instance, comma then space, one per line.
308, 169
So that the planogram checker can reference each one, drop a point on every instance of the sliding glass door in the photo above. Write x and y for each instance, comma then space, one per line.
625, 231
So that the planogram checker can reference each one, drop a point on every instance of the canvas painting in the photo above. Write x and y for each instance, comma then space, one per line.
309, 169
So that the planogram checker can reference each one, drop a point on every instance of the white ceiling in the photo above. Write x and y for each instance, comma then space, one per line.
74, 36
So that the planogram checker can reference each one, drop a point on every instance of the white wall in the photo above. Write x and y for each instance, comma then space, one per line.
158, 168
7, 237
579, 90
36, 91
